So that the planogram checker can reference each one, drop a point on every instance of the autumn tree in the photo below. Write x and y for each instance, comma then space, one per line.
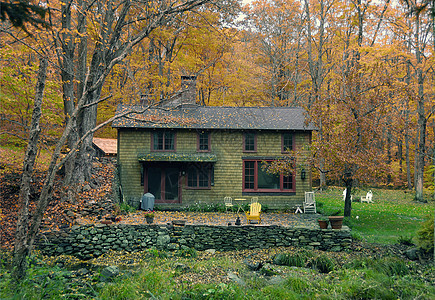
102, 34
422, 29
276, 27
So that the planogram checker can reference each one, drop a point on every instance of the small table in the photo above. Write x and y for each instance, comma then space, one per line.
298, 209
240, 204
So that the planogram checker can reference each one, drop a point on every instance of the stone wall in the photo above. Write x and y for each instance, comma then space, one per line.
90, 241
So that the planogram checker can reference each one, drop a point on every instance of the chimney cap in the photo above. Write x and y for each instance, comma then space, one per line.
188, 77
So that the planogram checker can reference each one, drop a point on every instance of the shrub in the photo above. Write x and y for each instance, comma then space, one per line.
425, 235
206, 207
190, 252
297, 259
125, 208
388, 266
154, 252
405, 240
299, 285
323, 264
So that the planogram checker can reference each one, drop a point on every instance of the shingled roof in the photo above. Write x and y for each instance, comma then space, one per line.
214, 117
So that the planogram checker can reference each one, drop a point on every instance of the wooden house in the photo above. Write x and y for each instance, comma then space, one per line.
185, 153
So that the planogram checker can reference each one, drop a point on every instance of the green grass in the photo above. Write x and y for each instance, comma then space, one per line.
303, 274
392, 215
159, 278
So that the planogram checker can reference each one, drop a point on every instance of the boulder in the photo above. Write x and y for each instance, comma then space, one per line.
108, 273
413, 253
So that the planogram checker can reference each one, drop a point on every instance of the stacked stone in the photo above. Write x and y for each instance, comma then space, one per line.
90, 241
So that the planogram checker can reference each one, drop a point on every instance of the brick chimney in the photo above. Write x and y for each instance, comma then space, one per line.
188, 89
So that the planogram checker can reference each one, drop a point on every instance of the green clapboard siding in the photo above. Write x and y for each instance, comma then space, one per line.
226, 153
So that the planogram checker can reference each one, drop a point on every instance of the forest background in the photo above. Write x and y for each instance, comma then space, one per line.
363, 70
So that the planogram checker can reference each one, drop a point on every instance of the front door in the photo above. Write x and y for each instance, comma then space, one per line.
163, 183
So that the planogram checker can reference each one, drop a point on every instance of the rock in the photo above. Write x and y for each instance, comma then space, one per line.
211, 251
276, 280
82, 272
108, 273
181, 267
268, 270
162, 241
253, 266
233, 277
173, 246
413, 253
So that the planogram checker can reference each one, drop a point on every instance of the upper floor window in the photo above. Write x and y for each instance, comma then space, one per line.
204, 142
287, 141
163, 141
250, 142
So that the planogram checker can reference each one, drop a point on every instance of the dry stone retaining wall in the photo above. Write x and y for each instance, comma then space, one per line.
91, 241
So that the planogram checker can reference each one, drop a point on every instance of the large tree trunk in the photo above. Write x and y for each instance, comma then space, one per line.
348, 181
21, 246
421, 122
66, 61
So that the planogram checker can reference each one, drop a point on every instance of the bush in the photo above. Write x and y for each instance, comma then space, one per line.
323, 264
388, 266
125, 208
206, 207
297, 259
190, 252
405, 240
425, 235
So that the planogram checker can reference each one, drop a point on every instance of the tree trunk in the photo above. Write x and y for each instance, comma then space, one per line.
407, 150
348, 200
421, 121
21, 246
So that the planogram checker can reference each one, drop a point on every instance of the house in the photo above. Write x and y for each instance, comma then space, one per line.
104, 147
188, 153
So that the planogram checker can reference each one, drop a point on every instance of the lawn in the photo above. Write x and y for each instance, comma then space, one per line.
393, 214
369, 271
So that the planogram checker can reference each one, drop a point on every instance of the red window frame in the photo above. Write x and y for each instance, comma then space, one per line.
283, 149
251, 173
198, 171
174, 134
245, 136
199, 139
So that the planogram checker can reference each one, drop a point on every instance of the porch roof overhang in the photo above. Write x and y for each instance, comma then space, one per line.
178, 157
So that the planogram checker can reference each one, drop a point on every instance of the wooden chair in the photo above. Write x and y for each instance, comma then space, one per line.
368, 198
309, 203
228, 201
254, 213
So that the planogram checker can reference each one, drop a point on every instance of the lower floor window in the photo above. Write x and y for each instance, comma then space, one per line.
198, 177
257, 179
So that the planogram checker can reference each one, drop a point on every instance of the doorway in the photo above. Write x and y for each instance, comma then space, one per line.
164, 183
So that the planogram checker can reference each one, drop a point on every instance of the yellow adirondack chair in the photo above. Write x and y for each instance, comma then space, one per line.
254, 213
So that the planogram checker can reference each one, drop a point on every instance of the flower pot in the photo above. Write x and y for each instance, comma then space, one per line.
149, 220
336, 221
323, 224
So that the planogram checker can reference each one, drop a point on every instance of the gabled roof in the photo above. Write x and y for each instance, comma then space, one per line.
214, 117
108, 146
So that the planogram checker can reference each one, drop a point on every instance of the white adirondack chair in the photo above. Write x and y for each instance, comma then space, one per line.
309, 203
368, 198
